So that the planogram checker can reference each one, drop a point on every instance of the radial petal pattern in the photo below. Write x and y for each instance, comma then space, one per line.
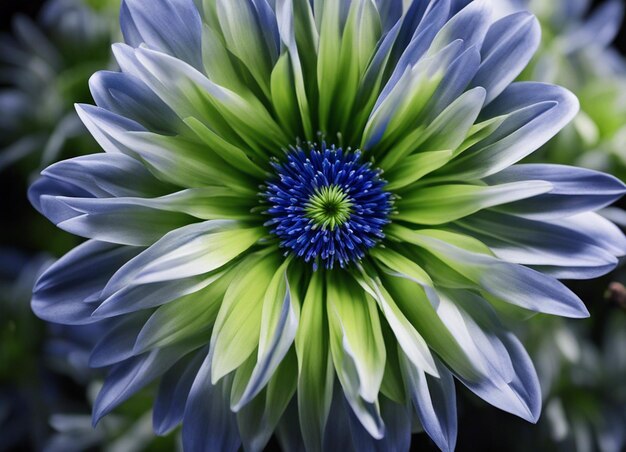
310, 220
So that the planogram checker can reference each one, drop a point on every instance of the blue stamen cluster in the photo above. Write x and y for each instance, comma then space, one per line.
307, 177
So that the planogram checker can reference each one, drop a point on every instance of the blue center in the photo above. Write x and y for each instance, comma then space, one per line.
327, 206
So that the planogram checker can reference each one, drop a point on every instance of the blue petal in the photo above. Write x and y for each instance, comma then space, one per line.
576, 190
130, 376
397, 437
510, 382
565, 252
419, 27
102, 176
170, 26
457, 77
135, 298
208, 423
470, 25
599, 230
116, 220
169, 407
434, 400
116, 344
60, 293
512, 283
522, 395
510, 44
390, 12
106, 127
534, 112
127, 96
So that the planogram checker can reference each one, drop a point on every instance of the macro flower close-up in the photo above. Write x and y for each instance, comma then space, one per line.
312, 222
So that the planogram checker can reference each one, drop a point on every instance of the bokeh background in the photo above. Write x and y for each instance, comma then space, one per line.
48, 49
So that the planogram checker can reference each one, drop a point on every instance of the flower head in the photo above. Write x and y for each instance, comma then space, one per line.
272, 285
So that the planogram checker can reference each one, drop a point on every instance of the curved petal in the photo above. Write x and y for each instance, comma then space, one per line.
434, 399
315, 369
534, 113
510, 44
510, 382
238, 324
127, 96
357, 348
208, 423
190, 251
279, 323
171, 26
130, 376
512, 283
169, 406
60, 292
576, 190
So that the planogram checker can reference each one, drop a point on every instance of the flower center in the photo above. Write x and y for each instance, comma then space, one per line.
326, 205
329, 207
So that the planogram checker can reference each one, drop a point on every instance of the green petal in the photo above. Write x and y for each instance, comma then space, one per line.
245, 39
328, 69
446, 203
419, 310
406, 335
357, 348
279, 323
415, 167
284, 96
315, 370
190, 316
238, 324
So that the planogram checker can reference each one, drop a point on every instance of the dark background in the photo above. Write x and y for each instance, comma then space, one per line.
481, 427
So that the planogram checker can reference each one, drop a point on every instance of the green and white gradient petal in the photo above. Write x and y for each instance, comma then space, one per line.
252, 144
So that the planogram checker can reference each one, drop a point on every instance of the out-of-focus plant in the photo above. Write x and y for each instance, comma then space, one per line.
129, 430
583, 385
36, 357
20, 339
576, 52
44, 70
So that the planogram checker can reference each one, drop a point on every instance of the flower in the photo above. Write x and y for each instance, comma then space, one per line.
309, 219
44, 68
